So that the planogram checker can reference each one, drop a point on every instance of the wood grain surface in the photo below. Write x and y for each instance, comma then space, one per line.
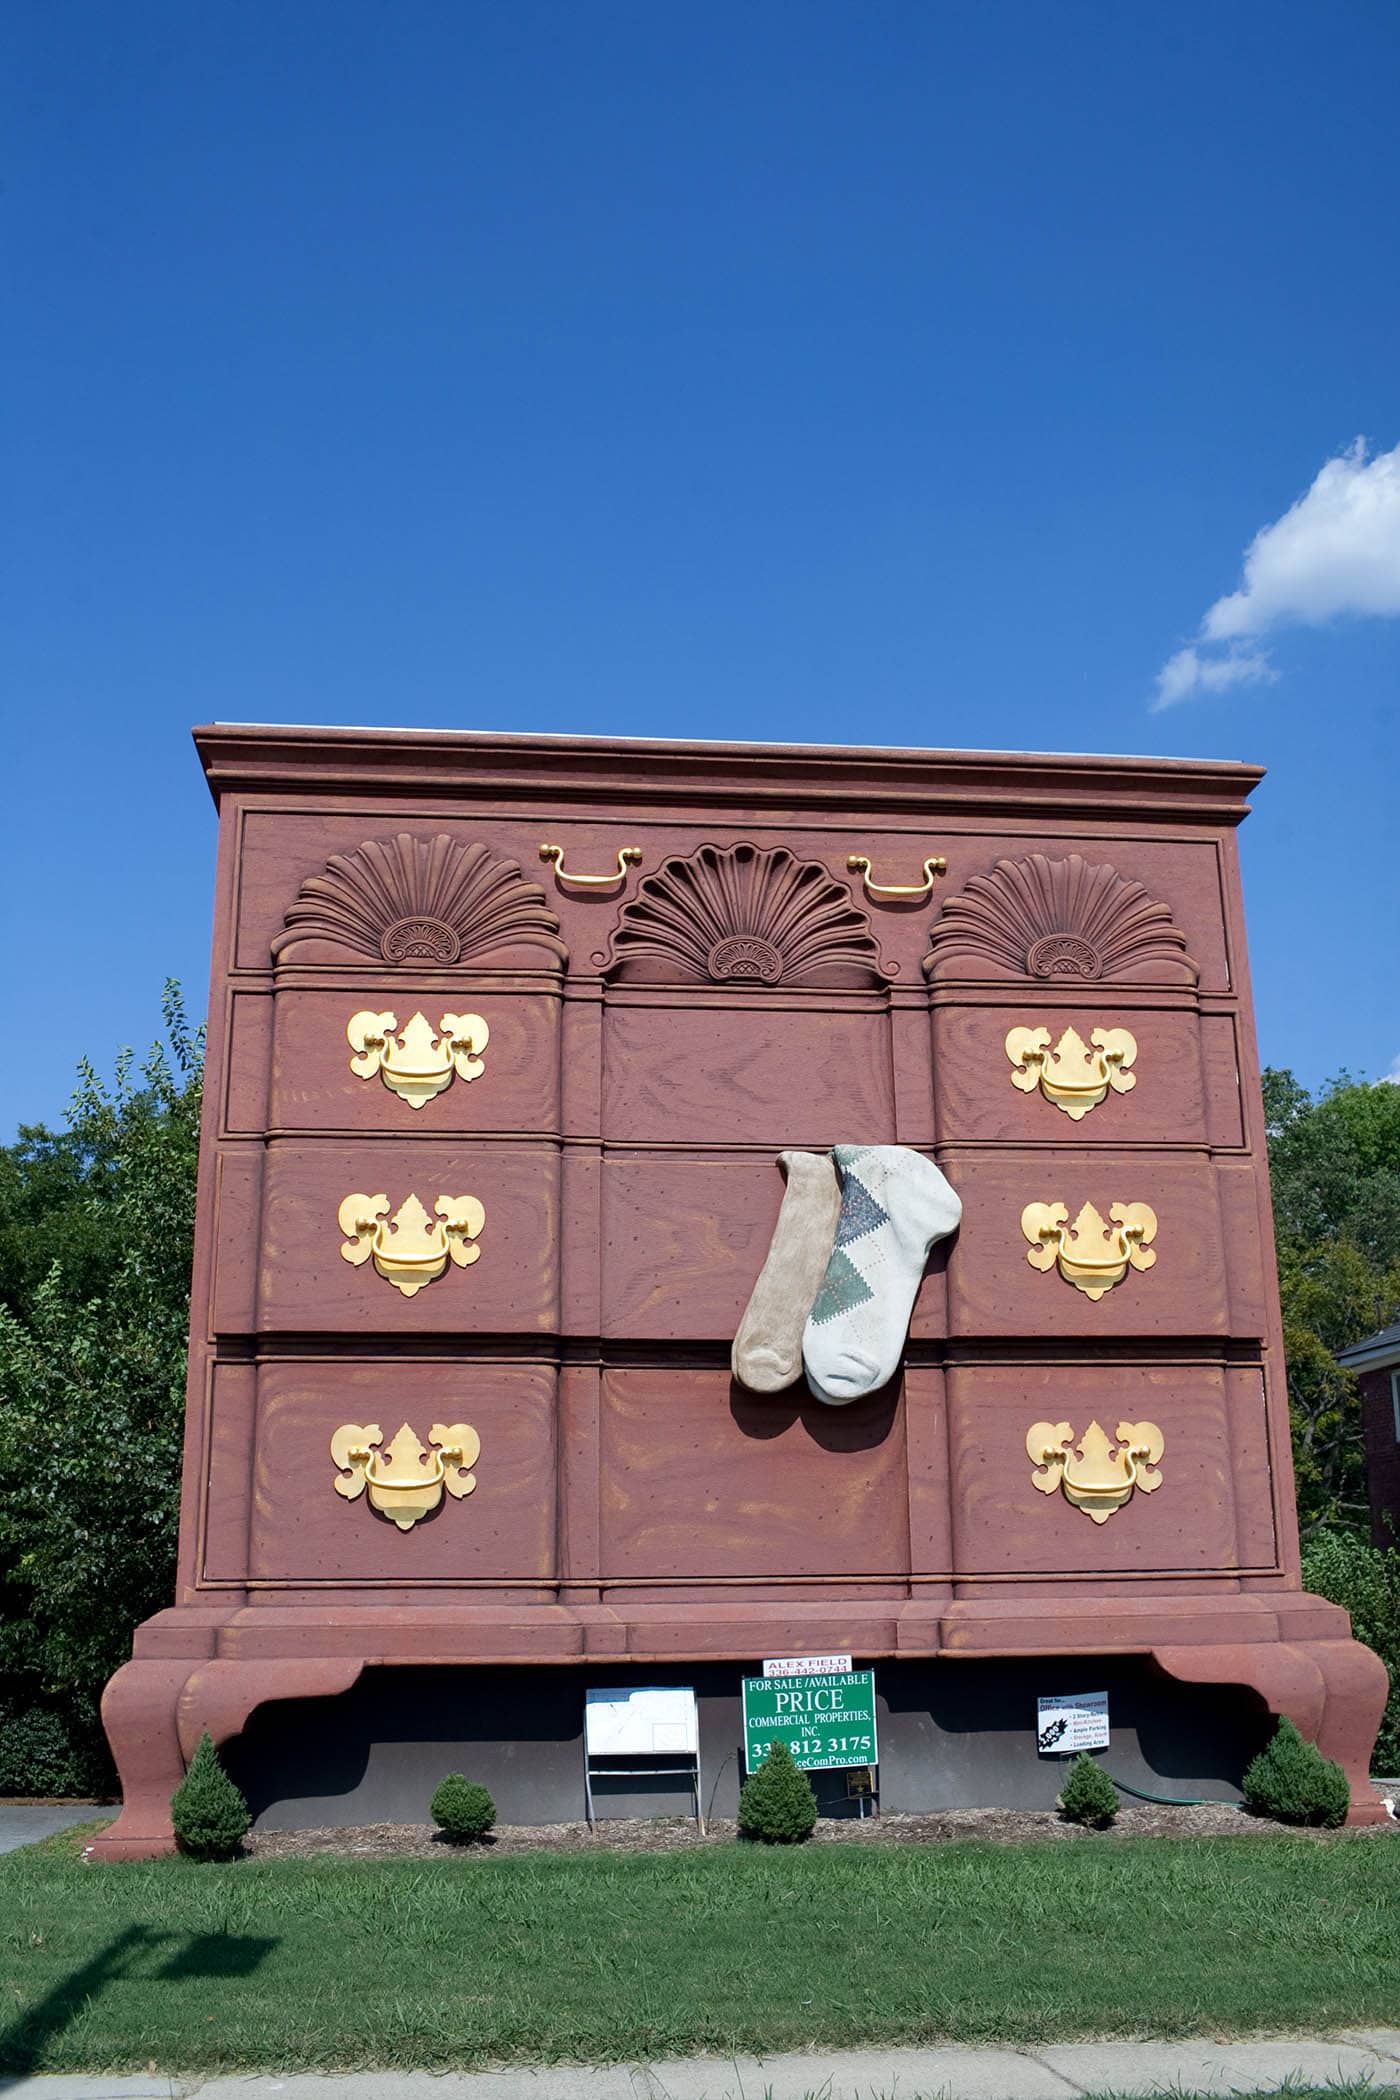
701, 1478
503, 1531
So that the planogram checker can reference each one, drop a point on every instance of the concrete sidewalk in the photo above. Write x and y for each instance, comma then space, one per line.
25, 1822
1064, 2071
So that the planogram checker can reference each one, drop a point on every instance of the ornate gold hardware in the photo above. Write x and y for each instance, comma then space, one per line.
859, 864
627, 857
1102, 1478
1073, 1076
410, 1250
406, 1489
1089, 1254
421, 1062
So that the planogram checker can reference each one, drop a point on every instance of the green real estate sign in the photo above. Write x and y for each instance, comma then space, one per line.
826, 1720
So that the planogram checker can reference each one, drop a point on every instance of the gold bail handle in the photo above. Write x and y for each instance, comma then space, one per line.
627, 856
905, 892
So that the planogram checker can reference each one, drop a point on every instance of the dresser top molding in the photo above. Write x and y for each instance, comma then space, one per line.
281, 759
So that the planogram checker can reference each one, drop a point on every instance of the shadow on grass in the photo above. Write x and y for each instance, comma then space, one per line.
188, 1956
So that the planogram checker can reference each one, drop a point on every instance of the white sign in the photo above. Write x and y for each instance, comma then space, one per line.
641, 1721
806, 1665
1074, 1721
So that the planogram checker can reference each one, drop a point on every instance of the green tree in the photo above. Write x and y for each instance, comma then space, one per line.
92, 1371
776, 1803
1292, 1781
1088, 1795
210, 1815
48, 1180
1334, 1166
1365, 1580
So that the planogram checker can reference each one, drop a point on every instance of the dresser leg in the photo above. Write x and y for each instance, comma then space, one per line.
1334, 1692
138, 1713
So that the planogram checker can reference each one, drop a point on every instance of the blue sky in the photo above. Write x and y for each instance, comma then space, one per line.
906, 374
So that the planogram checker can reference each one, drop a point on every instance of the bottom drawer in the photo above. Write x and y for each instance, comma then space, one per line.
1012, 1516
502, 1530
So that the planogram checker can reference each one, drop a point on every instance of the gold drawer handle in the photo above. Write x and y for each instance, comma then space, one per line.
405, 1489
627, 856
1089, 1254
410, 1478
1103, 1475
859, 864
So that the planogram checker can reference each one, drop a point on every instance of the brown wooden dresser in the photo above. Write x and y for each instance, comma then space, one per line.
489, 1150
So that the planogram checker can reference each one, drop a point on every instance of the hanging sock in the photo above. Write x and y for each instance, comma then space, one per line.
894, 1205
767, 1352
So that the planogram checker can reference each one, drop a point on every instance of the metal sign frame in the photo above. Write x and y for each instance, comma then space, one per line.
623, 1694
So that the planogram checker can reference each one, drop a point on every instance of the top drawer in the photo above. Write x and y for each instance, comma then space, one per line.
394, 1059
1140, 1083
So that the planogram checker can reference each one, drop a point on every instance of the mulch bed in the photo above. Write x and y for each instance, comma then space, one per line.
1003, 1826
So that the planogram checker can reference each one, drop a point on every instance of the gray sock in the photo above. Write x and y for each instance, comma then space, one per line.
767, 1352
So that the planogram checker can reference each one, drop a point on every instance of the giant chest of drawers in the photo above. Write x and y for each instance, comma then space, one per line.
697, 979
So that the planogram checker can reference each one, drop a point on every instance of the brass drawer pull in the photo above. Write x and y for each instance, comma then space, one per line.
627, 856
1073, 1075
1089, 1254
859, 864
1103, 1476
410, 1249
405, 1489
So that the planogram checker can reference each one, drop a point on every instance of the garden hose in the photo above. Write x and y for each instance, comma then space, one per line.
1167, 1800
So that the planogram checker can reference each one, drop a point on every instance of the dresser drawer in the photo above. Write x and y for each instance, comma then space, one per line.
503, 1529
407, 1081
1003, 1523
992, 1288
762, 1075
976, 1098
702, 1480
510, 1287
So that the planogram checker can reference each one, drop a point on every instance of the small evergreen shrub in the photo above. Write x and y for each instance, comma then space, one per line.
462, 1809
777, 1804
210, 1815
1293, 1782
1089, 1795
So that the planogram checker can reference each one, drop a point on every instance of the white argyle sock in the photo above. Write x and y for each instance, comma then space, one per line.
894, 1205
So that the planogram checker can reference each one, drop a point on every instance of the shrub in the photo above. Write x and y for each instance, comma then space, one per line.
210, 1815
38, 1755
1365, 1581
777, 1804
1293, 1782
1089, 1795
462, 1809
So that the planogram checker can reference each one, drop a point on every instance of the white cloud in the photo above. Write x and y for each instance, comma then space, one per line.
1392, 1077
1188, 671
1336, 551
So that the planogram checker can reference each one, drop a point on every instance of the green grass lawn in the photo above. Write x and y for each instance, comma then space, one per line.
287, 1964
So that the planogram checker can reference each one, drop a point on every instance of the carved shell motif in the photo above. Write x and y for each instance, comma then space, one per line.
1058, 921
427, 901
744, 915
